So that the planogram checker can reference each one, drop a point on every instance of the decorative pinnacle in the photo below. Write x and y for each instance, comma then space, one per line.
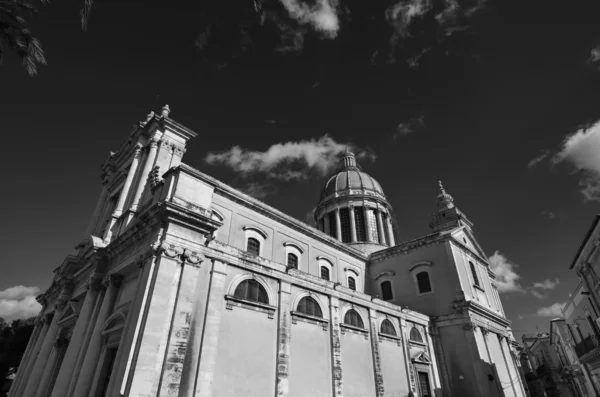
166, 111
444, 200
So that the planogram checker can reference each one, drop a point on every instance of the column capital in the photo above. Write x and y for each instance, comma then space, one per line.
112, 279
470, 326
137, 149
152, 143
94, 282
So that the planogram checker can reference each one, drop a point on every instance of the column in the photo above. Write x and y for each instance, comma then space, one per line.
29, 353
42, 389
285, 331
65, 374
338, 224
336, 347
210, 336
380, 227
152, 148
327, 225
375, 352
127, 185
97, 211
368, 224
390, 229
435, 374
352, 224
33, 380
86, 374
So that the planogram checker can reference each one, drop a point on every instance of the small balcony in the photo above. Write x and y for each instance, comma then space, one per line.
586, 346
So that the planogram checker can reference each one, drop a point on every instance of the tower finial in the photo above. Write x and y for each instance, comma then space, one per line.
444, 200
347, 159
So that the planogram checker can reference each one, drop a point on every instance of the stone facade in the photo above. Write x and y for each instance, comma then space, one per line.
188, 287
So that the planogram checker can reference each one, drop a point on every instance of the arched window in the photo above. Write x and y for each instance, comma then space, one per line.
252, 290
387, 327
325, 273
415, 335
359, 223
292, 260
253, 246
423, 282
474, 273
386, 291
353, 318
332, 225
352, 283
308, 305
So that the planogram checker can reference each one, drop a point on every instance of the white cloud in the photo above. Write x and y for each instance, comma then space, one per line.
258, 190
595, 54
536, 160
19, 302
537, 294
320, 156
547, 284
401, 14
554, 310
321, 15
506, 277
582, 151
406, 128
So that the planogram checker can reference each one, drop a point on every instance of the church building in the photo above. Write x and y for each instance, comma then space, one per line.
184, 286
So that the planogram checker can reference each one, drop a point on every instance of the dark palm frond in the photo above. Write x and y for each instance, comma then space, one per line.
86, 10
17, 37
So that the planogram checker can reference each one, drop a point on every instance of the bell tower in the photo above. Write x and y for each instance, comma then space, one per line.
447, 216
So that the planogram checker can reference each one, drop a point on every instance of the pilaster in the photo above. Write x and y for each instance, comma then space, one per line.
210, 336
410, 371
382, 239
143, 180
336, 347
390, 229
368, 224
24, 378
338, 224
284, 339
173, 365
379, 388
26, 356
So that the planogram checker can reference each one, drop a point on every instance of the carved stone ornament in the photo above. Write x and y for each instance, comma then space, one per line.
94, 282
170, 250
485, 331
154, 177
111, 279
192, 257
470, 326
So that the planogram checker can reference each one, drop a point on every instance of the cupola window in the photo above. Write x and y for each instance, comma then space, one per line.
345, 222
359, 222
332, 224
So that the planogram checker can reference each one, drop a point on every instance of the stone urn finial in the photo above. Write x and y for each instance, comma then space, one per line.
166, 111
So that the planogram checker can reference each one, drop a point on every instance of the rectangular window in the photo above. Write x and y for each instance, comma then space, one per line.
373, 226
332, 225
359, 222
345, 221
386, 291
474, 274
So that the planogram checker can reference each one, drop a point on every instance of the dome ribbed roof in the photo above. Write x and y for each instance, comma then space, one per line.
350, 177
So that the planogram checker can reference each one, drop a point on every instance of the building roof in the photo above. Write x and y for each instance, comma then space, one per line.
585, 239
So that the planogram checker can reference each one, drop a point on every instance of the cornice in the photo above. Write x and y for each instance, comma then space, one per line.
270, 212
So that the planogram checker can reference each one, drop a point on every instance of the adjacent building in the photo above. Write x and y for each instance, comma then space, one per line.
185, 286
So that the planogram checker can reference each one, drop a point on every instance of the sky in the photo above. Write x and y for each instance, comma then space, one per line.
498, 99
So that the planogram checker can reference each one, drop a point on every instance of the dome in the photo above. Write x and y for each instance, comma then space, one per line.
350, 180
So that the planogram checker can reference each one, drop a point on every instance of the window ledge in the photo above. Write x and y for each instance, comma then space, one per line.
352, 328
309, 319
414, 342
391, 338
251, 305
479, 288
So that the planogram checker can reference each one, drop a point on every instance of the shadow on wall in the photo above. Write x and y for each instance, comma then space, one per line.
488, 384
